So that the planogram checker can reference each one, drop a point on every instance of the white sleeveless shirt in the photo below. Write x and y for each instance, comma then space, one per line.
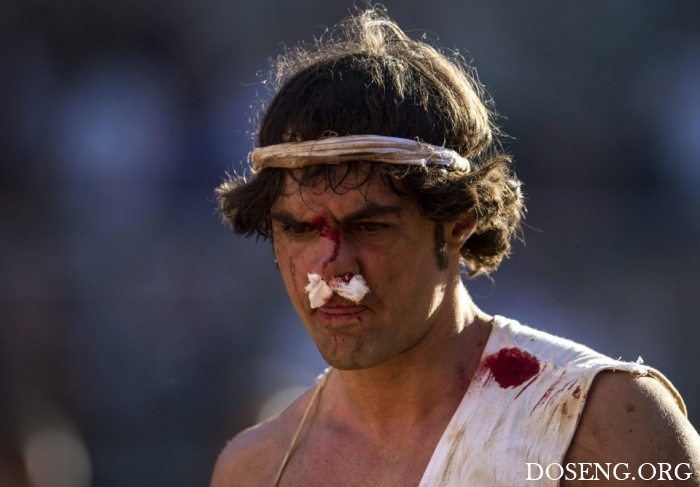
523, 405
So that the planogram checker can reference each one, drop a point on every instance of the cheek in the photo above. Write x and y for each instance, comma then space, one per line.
404, 274
291, 265
292, 277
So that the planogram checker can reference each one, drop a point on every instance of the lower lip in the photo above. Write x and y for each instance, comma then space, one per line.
339, 319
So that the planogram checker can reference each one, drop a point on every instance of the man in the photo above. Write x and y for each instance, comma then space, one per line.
378, 179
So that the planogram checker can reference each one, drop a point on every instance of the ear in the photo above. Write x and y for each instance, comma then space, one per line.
458, 232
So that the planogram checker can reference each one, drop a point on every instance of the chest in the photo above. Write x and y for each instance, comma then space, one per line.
343, 460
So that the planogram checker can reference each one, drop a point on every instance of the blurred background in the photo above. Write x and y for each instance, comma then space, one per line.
138, 334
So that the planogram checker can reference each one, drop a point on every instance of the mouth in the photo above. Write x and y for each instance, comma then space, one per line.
341, 318
341, 310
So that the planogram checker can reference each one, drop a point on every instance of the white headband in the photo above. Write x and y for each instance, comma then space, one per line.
375, 148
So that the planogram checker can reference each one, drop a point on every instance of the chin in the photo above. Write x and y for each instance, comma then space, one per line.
350, 361
341, 363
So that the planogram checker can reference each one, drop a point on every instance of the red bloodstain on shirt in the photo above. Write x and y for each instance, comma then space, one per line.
512, 366
321, 224
577, 393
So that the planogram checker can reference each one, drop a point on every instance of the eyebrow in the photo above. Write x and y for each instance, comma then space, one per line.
283, 217
372, 210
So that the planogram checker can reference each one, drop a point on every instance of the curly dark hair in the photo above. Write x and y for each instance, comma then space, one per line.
369, 77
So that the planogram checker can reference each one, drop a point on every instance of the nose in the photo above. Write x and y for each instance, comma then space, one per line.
336, 255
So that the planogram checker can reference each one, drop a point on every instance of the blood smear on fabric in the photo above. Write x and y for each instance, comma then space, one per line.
512, 366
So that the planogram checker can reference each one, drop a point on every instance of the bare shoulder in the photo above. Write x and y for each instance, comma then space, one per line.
636, 420
246, 460
253, 457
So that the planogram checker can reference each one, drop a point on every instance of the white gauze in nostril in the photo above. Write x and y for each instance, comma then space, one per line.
321, 291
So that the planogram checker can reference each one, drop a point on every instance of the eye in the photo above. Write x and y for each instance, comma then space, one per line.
297, 229
371, 227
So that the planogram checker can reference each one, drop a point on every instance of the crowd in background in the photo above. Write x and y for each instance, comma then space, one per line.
138, 334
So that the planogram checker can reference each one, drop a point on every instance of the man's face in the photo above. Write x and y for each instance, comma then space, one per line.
369, 231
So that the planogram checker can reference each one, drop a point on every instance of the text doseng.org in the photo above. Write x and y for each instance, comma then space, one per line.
619, 471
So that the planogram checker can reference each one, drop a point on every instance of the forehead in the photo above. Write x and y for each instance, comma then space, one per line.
337, 189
